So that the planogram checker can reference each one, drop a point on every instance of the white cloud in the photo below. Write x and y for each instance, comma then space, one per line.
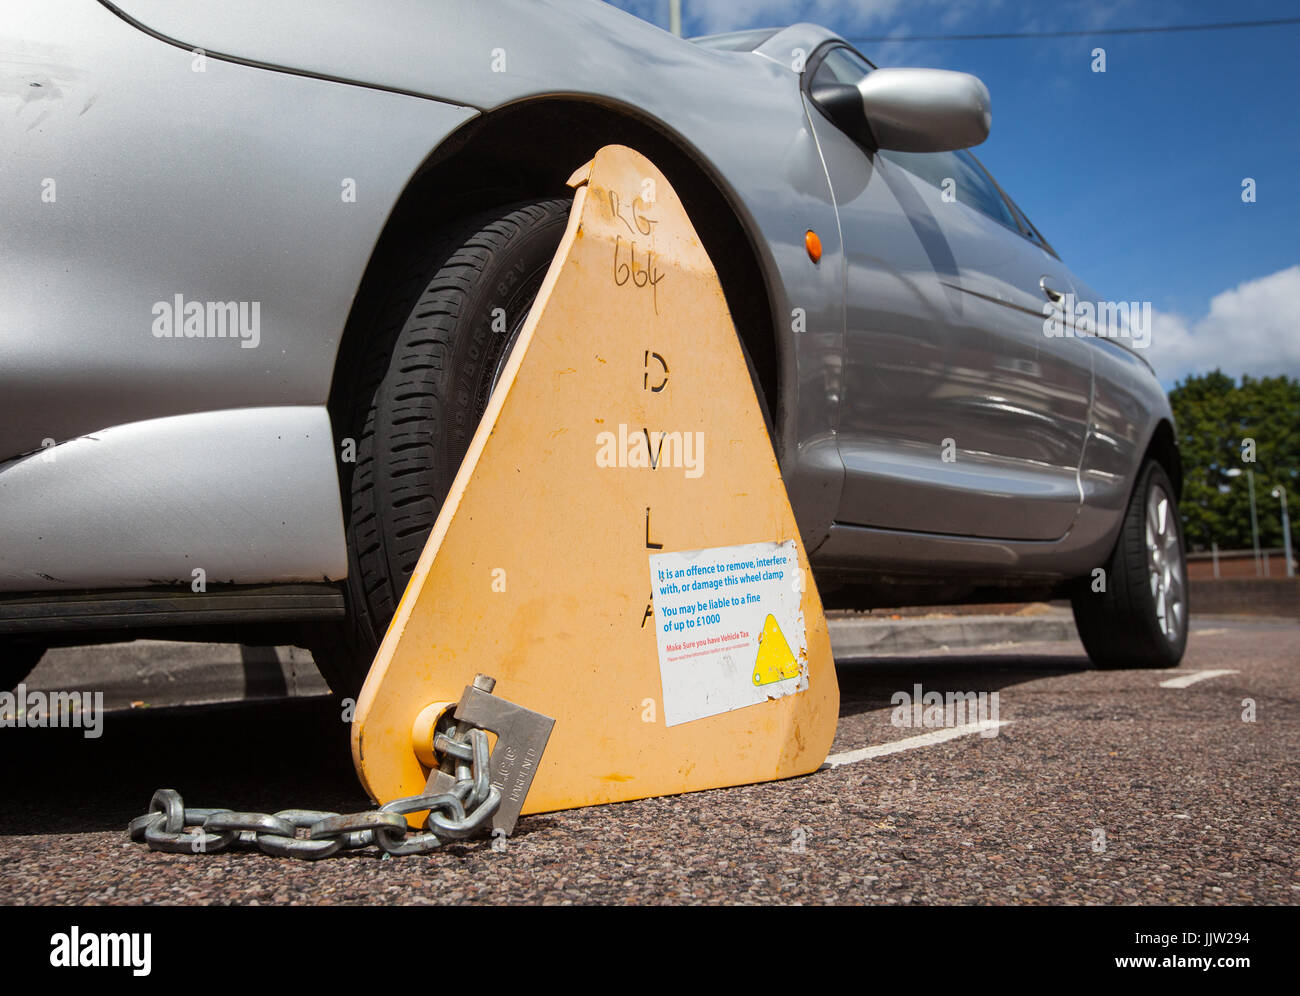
712, 16
1254, 328
876, 17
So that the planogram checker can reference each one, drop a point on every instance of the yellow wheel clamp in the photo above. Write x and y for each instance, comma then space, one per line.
617, 549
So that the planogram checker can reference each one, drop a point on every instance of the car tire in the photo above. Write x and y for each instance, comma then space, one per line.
421, 382
1140, 618
17, 659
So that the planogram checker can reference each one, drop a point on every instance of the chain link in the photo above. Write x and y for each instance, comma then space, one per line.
454, 815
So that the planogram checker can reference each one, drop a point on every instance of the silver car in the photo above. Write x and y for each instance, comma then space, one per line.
261, 264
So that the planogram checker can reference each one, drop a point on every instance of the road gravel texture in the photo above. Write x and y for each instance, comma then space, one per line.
1103, 787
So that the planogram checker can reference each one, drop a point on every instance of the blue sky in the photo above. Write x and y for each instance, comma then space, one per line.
1135, 174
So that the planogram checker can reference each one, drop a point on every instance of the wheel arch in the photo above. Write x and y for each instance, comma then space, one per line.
1163, 448
529, 149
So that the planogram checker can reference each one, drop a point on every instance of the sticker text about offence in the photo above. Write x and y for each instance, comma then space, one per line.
703, 589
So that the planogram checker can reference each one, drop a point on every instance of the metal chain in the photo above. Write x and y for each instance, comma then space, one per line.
454, 815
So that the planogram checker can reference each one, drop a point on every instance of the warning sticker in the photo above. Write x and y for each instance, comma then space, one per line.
729, 622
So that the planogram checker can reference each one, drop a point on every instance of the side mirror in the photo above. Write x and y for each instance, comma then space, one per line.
911, 110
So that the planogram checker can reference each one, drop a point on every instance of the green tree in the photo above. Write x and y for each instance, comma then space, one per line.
1217, 420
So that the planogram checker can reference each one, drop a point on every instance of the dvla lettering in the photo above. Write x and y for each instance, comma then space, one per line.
642, 448
181, 319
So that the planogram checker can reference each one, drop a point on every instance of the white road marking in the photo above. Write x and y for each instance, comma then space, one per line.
910, 743
1208, 632
1191, 678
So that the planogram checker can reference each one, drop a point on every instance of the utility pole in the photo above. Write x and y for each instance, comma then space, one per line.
1235, 472
1279, 492
1254, 520
675, 17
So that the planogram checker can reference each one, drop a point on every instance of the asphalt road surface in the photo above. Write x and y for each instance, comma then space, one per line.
1100, 787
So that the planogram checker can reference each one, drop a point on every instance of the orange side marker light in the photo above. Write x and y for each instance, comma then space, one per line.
813, 244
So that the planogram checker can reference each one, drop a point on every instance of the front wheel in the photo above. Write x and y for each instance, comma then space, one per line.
429, 360
1134, 613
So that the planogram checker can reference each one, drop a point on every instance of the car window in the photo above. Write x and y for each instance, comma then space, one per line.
841, 65
959, 174
1028, 226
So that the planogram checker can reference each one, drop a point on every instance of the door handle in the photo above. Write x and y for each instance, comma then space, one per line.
1050, 292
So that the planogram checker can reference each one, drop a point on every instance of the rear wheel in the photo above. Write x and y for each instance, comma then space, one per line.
1139, 618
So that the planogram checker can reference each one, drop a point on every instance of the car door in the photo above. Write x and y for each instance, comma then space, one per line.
960, 415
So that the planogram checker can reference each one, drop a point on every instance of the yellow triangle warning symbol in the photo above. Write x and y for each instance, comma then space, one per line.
776, 661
